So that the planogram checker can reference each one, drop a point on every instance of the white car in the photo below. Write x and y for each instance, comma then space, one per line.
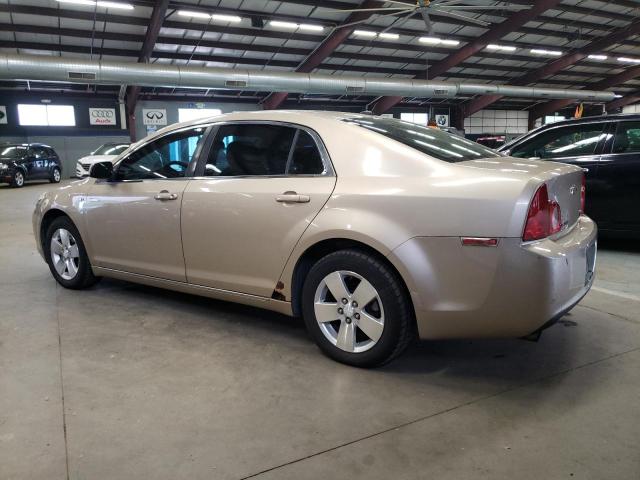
104, 153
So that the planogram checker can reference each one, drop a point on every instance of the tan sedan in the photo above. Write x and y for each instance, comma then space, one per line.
373, 230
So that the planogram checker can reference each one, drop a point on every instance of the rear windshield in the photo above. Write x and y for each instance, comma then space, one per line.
432, 141
13, 151
111, 149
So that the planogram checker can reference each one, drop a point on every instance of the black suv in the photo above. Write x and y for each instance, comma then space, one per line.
20, 162
608, 147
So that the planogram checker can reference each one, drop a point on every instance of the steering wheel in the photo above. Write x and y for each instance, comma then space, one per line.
182, 166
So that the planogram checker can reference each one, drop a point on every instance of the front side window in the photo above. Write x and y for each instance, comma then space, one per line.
627, 138
167, 157
431, 141
570, 141
250, 149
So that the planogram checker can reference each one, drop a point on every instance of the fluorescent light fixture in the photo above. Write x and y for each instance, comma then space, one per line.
278, 24
311, 28
597, 57
389, 36
122, 6
501, 48
79, 2
187, 13
540, 51
364, 33
439, 41
628, 60
226, 18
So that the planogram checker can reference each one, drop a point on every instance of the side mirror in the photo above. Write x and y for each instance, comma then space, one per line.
101, 170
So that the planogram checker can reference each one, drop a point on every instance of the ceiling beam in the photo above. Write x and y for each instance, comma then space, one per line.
543, 109
558, 65
324, 50
148, 45
511, 24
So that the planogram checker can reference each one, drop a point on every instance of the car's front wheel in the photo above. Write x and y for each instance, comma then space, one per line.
67, 256
356, 309
55, 175
18, 179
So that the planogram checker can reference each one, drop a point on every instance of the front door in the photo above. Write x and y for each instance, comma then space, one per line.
619, 178
133, 220
262, 186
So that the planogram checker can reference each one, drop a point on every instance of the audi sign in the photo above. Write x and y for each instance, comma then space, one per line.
102, 116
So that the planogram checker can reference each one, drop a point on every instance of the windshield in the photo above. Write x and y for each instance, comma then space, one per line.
432, 141
13, 151
111, 149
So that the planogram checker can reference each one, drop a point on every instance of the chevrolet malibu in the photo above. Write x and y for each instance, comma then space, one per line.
374, 230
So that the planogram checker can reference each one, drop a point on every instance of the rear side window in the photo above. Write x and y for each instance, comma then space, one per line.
305, 158
432, 141
569, 141
250, 149
627, 138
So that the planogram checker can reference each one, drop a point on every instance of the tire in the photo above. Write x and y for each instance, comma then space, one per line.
56, 175
373, 334
68, 261
18, 179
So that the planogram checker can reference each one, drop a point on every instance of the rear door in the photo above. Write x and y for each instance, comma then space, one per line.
260, 187
580, 144
619, 178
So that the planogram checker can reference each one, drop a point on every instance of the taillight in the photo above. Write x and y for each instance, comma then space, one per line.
583, 193
544, 217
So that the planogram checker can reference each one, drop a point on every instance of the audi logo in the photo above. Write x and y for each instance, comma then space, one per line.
155, 115
102, 113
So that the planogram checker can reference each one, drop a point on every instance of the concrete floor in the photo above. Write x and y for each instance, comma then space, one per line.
125, 382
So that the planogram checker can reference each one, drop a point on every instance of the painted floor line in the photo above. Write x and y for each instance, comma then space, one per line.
615, 293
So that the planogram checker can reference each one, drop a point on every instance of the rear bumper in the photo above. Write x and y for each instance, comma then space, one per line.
510, 290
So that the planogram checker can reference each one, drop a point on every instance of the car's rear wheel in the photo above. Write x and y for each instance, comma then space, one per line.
356, 309
55, 175
18, 179
67, 256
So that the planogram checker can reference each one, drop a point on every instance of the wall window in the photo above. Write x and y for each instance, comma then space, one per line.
187, 114
418, 118
46, 115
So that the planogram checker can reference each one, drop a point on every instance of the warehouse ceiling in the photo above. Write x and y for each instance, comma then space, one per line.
283, 35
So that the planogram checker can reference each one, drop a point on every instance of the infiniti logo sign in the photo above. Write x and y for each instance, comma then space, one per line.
154, 116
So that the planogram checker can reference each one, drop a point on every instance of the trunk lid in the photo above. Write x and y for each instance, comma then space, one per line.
564, 181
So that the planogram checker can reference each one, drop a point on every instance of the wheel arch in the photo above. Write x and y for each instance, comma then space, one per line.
47, 219
315, 252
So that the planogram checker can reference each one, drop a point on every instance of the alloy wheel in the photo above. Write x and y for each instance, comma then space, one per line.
65, 253
349, 311
19, 179
56, 175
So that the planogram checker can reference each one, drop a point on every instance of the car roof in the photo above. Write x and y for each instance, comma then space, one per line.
596, 118
16, 144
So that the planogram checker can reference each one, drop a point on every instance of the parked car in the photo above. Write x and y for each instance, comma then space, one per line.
104, 153
22, 162
401, 229
608, 148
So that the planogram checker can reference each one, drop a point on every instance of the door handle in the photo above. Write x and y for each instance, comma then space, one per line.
292, 197
165, 195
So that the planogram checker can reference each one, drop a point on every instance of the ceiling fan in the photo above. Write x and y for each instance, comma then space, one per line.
458, 9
